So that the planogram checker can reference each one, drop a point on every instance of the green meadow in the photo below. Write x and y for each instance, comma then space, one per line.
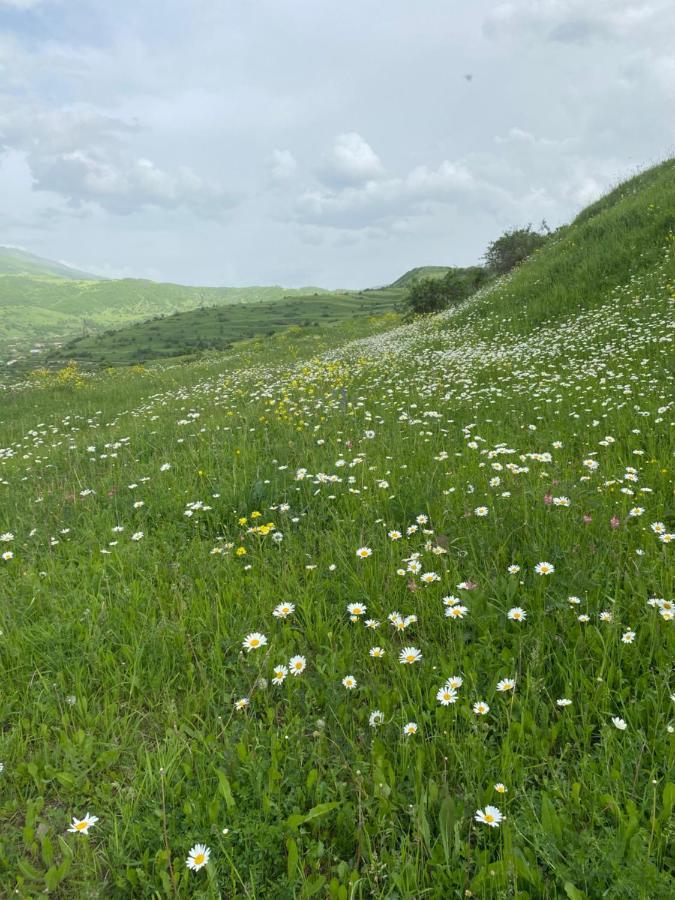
218, 327
40, 303
369, 610
65, 315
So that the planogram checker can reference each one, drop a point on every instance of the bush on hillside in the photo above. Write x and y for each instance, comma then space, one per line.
513, 247
461, 283
428, 295
431, 295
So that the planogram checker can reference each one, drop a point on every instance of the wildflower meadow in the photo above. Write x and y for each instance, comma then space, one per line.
389, 615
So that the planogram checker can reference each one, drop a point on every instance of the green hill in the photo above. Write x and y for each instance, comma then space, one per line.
370, 613
44, 304
622, 236
218, 327
14, 261
418, 273
40, 309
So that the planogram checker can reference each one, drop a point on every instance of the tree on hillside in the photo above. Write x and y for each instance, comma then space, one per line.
512, 248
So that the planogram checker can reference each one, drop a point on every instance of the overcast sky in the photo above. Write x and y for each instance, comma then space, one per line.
325, 142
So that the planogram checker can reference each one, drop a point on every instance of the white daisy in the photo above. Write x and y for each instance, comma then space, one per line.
82, 826
491, 816
198, 857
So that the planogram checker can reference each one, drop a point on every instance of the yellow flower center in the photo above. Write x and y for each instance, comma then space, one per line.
199, 859
489, 817
81, 826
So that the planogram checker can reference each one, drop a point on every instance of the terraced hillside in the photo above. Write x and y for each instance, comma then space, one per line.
217, 328
44, 310
382, 617
189, 333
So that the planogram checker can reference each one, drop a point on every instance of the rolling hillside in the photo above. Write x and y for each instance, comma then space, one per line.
14, 261
218, 327
385, 617
44, 304
38, 309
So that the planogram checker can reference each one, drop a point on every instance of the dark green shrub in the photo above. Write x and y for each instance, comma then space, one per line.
512, 248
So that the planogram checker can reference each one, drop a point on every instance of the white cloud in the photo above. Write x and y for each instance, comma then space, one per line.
449, 179
571, 21
526, 177
520, 137
282, 165
350, 161
82, 155
354, 192
125, 187
390, 201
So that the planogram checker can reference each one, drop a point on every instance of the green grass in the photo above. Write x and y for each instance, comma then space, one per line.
46, 310
584, 264
217, 328
420, 272
121, 660
186, 334
44, 305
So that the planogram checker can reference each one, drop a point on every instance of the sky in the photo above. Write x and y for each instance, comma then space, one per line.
317, 142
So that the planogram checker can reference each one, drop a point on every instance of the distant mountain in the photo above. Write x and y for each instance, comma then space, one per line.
19, 262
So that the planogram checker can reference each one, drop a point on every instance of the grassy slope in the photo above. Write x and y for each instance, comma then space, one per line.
19, 262
216, 328
41, 309
621, 235
40, 303
119, 670
415, 274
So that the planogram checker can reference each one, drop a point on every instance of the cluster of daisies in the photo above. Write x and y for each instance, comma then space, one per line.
409, 655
